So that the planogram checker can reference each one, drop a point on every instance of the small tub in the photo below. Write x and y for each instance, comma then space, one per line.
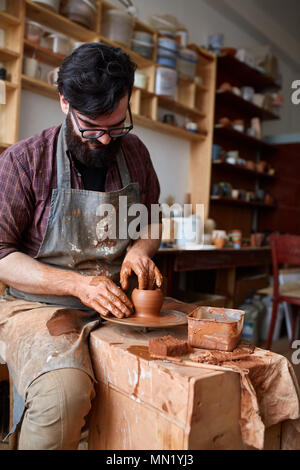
117, 26
143, 48
140, 79
33, 31
215, 328
166, 82
167, 48
60, 44
143, 36
80, 11
187, 62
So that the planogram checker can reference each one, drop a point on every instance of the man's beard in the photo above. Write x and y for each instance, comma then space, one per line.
91, 153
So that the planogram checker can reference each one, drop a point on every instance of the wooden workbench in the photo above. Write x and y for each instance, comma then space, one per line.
151, 404
172, 261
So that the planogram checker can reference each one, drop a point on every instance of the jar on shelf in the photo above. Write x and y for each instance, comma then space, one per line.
140, 79
117, 25
187, 63
60, 44
142, 43
80, 11
33, 31
166, 82
167, 52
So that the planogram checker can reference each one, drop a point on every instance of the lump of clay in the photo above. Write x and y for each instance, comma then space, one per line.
168, 346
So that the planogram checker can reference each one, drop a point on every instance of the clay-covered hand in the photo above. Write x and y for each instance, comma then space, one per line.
147, 273
104, 296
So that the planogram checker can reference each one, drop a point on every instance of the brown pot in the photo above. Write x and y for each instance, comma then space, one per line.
261, 166
250, 165
257, 239
147, 303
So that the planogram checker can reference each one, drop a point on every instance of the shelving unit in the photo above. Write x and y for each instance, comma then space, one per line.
231, 213
12, 22
194, 101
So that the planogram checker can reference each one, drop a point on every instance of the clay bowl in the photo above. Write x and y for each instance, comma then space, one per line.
147, 303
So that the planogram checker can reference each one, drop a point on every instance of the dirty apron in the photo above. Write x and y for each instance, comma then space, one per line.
74, 240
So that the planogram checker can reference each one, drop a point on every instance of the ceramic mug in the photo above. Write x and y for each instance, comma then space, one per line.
32, 68
53, 76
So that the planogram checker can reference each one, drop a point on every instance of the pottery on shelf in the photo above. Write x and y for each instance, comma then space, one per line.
147, 303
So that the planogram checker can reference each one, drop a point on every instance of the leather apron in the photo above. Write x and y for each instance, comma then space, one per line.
73, 240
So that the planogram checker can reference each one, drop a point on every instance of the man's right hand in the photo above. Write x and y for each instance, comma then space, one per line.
104, 296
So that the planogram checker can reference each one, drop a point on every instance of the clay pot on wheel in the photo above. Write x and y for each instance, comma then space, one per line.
147, 303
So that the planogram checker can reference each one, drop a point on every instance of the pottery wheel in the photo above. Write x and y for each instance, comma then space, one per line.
167, 318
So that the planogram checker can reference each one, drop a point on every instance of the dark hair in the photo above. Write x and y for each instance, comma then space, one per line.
94, 77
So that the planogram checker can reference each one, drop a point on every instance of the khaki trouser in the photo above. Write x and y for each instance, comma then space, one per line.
56, 403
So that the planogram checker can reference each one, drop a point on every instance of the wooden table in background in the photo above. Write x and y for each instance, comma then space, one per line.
172, 261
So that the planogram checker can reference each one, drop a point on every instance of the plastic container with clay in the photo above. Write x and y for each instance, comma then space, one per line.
117, 26
60, 44
80, 11
215, 328
33, 31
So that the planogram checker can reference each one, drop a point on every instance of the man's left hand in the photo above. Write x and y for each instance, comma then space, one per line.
147, 273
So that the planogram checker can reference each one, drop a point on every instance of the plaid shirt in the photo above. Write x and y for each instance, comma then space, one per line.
28, 175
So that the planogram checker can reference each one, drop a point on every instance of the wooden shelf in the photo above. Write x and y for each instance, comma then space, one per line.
243, 170
241, 137
40, 87
167, 129
4, 145
43, 54
6, 55
58, 22
11, 86
7, 20
240, 74
239, 107
179, 108
240, 202
201, 87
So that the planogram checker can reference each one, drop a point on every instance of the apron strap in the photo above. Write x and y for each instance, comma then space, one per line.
123, 169
63, 163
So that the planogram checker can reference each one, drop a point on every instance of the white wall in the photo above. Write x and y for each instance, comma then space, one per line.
171, 155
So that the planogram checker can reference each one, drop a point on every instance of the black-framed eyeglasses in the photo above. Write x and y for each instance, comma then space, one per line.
95, 133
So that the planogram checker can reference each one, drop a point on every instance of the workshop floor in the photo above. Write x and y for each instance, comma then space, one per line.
281, 346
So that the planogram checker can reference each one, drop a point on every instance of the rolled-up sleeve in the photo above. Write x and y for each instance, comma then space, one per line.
16, 203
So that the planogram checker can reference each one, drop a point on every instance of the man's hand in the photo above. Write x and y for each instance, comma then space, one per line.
102, 294
148, 274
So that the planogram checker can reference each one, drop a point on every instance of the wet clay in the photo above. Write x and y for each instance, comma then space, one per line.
68, 320
168, 346
147, 303
141, 351
243, 351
